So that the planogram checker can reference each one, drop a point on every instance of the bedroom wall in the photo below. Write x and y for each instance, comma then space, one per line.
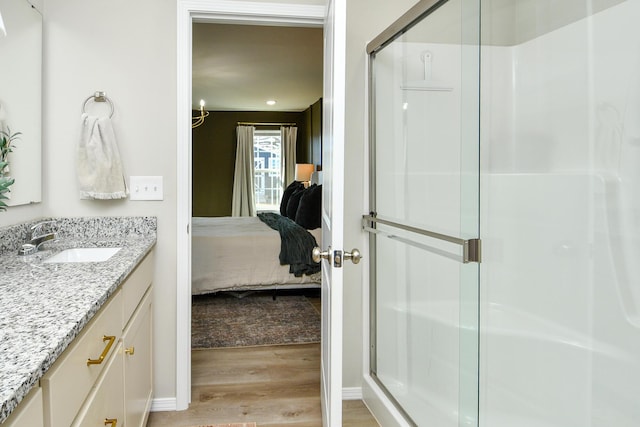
214, 154
315, 134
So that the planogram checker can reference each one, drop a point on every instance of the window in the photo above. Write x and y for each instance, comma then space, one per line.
267, 155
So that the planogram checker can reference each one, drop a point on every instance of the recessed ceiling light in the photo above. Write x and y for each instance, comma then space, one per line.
271, 102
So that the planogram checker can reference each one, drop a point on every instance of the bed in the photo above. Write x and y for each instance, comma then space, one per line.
240, 254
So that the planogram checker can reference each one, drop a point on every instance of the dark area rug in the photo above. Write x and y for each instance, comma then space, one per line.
223, 320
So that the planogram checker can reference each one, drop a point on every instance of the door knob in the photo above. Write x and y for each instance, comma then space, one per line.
317, 254
354, 255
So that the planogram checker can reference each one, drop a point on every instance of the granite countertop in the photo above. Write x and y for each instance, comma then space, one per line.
44, 306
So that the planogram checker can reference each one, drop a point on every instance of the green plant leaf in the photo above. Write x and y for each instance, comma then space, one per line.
6, 142
6, 147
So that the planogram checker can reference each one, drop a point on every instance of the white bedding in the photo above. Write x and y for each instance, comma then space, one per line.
240, 253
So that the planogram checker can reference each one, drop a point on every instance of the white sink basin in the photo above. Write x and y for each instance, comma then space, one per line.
83, 255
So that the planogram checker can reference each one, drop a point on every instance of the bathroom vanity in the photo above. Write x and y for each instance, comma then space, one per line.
76, 337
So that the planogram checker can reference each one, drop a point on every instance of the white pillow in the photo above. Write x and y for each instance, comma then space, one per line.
316, 177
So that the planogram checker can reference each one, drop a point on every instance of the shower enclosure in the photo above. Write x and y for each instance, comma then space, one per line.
505, 215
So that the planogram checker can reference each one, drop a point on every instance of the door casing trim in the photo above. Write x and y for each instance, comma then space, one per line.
189, 11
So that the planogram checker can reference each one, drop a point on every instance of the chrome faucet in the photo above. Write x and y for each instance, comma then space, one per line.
38, 237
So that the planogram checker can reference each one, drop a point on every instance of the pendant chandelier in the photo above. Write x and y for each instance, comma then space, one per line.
198, 120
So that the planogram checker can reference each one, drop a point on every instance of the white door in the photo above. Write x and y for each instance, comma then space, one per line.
332, 212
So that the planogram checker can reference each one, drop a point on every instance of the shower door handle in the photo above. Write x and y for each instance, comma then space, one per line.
471, 248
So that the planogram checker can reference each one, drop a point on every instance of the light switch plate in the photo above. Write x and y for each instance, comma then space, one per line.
145, 188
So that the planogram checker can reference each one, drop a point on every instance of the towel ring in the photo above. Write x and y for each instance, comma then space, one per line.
98, 97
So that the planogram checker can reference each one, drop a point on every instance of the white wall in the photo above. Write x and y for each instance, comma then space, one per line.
127, 49
25, 213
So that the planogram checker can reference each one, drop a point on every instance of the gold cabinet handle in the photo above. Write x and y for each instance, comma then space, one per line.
100, 359
113, 422
130, 351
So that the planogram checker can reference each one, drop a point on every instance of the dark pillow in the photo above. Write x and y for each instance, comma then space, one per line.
292, 204
309, 214
291, 188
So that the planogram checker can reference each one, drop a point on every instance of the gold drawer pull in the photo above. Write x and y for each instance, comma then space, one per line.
130, 351
113, 422
100, 359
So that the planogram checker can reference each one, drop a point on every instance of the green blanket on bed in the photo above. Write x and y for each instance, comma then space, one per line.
296, 244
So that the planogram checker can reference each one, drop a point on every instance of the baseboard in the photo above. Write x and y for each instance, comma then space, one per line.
352, 393
163, 404
169, 403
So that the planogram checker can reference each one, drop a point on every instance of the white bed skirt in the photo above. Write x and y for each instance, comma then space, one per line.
240, 253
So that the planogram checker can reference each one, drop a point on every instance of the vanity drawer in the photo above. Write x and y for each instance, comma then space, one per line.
135, 287
68, 382
105, 404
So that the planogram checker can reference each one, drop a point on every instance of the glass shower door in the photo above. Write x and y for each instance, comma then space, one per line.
424, 205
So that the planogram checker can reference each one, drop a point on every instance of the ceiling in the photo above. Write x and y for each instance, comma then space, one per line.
240, 67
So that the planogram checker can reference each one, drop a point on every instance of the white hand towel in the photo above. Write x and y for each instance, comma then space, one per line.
100, 171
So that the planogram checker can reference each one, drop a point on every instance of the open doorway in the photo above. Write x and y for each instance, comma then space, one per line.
210, 11
219, 11
253, 322
270, 79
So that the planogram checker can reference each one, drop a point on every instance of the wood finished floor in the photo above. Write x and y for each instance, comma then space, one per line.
270, 385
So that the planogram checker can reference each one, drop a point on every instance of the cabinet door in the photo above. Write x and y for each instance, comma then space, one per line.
137, 365
28, 413
105, 403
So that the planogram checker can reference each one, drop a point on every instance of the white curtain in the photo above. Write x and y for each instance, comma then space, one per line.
243, 203
288, 141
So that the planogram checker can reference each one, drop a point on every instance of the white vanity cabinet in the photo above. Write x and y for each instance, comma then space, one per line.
29, 412
104, 376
